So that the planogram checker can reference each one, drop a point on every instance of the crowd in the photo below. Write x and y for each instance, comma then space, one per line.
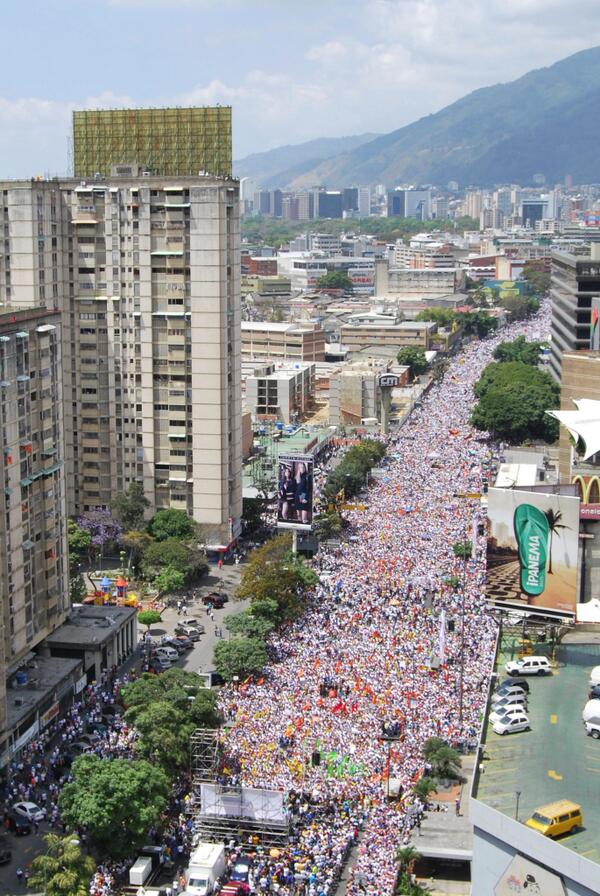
389, 639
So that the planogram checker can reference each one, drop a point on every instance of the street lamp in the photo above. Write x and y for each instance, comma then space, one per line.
390, 733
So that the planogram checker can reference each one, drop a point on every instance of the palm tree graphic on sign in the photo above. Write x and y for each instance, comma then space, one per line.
554, 518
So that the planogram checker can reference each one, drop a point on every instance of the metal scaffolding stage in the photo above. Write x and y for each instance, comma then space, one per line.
204, 746
224, 811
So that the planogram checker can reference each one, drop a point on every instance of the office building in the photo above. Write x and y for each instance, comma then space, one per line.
168, 142
146, 273
387, 334
575, 282
408, 203
330, 204
294, 342
284, 392
33, 521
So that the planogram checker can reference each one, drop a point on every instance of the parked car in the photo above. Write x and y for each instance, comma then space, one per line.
175, 643
190, 622
91, 739
497, 696
512, 700
79, 747
189, 631
512, 725
529, 665
594, 693
169, 652
506, 712
557, 818
217, 598
512, 683
592, 729
17, 824
30, 811
185, 642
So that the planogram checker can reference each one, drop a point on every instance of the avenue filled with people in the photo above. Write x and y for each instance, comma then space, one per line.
396, 634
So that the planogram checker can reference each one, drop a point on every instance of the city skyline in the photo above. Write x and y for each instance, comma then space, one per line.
291, 76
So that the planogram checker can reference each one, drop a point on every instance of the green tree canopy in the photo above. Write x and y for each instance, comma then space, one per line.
462, 549
249, 625
537, 280
168, 580
519, 307
477, 323
513, 400
328, 525
116, 801
171, 523
149, 618
443, 317
80, 541
351, 473
63, 869
129, 508
520, 349
273, 573
185, 558
335, 280
413, 357
175, 687
241, 657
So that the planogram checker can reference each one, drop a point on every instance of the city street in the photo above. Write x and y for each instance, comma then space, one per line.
199, 659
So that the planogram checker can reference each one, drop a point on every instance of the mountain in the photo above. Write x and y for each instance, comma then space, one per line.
271, 168
544, 122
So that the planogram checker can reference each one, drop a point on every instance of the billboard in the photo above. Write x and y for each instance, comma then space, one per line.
532, 549
295, 492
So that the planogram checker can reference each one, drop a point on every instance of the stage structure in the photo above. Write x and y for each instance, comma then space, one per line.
223, 811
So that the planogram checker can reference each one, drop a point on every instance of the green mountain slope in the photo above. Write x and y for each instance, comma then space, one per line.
266, 167
507, 132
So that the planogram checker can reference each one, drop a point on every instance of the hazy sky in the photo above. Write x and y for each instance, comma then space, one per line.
292, 69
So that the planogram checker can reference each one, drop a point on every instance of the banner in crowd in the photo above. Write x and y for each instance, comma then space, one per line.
295, 492
532, 548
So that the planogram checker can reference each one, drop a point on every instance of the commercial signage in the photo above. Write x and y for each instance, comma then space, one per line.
80, 684
26, 737
50, 714
589, 511
389, 381
532, 549
295, 492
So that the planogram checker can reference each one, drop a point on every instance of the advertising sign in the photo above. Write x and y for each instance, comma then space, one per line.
295, 492
532, 548
595, 326
389, 381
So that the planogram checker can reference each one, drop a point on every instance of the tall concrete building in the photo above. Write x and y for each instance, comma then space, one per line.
33, 514
146, 273
575, 282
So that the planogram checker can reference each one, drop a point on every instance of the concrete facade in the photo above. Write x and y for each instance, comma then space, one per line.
146, 273
575, 281
291, 342
33, 521
373, 336
354, 395
282, 393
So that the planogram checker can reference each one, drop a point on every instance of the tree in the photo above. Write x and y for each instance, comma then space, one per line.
445, 762
335, 280
240, 657
136, 542
423, 787
175, 687
519, 307
77, 589
513, 400
443, 317
431, 746
129, 508
178, 554
249, 625
149, 618
407, 857
477, 323
80, 541
519, 350
538, 281
103, 529
350, 474
414, 358
63, 870
328, 525
462, 549
116, 801
273, 573
168, 580
171, 523
554, 518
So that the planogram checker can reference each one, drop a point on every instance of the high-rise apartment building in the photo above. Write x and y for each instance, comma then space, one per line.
575, 282
179, 141
146, 273
33, 514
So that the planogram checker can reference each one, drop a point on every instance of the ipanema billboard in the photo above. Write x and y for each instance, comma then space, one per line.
533, 543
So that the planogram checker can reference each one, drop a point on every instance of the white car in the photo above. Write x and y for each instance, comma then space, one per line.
506, 702
168, 652
506, 712
30, 811
529, 665
497, 696
512, 725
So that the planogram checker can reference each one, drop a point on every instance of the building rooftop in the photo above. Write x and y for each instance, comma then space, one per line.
44, 673
555, 760
90, 625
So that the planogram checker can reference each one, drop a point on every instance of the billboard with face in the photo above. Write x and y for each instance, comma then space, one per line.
295, 492
532, 550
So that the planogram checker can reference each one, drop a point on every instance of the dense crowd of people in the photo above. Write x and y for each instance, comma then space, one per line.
390, 638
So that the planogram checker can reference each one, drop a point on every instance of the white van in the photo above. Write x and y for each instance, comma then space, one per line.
530, 665
595, 676
168, 652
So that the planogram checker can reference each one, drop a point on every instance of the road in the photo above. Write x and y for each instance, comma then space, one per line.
199, 659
